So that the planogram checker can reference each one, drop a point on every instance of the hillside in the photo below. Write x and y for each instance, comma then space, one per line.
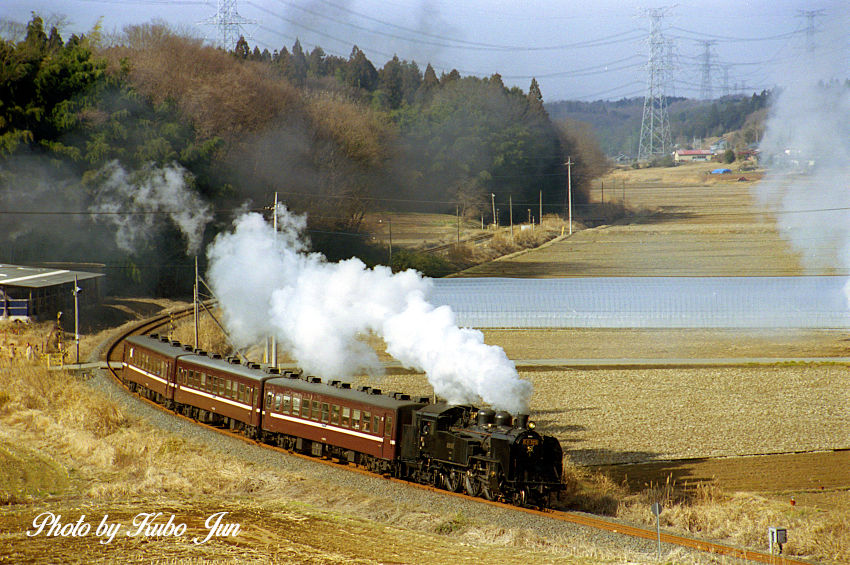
617, 123
141, 151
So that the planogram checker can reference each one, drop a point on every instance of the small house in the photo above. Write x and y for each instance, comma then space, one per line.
688, 155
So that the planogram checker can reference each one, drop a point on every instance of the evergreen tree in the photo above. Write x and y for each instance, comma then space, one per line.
361, 73
535, 98
316, 63
242, 50
390, 83
298, 68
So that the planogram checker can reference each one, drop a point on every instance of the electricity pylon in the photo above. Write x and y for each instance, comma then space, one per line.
655, 124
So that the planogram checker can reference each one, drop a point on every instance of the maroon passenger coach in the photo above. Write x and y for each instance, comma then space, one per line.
288, 410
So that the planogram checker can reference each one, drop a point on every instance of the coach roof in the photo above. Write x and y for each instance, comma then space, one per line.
171, 349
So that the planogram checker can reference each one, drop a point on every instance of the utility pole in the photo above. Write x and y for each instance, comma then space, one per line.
457, 214
569, 165
390, 225
195, 301
77, 319
540, 216
493, 201
511, 213
273, 356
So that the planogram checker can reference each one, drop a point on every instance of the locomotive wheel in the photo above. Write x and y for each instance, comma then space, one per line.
471, 485
452, 480
487, 493
521, 497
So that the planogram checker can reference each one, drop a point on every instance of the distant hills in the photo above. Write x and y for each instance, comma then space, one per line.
617, 123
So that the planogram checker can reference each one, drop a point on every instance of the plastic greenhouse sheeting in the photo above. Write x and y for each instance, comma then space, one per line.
650, 302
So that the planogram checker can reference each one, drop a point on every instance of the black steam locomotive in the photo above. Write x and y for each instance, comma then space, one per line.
481, 452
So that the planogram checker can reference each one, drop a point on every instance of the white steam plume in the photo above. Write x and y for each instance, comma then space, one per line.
319, 309
807, 150
135, 202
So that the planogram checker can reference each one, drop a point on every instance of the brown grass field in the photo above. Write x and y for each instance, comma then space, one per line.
700, 433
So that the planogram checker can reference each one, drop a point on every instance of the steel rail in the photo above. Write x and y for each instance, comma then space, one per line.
564, 516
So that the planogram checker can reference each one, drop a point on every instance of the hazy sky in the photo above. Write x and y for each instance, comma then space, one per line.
576, 50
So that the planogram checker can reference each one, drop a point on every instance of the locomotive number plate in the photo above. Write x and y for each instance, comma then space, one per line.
530, 442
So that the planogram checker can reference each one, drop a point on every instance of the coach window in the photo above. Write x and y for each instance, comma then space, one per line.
305, 408
335, 414
249, 395
277, 400
376, 427
315, 410
227, 385
367, 420
202, 379
241, 392
346, 414
355, 420
296, 405
269, 400
287, 402
325, 412
388, 427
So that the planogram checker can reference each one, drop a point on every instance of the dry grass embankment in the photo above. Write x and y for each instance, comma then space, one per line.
68, 449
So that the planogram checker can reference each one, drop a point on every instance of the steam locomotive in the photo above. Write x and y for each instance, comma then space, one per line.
459, 448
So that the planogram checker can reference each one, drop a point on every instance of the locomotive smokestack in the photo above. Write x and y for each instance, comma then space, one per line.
522, 421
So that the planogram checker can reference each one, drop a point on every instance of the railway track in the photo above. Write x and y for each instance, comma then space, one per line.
113, 356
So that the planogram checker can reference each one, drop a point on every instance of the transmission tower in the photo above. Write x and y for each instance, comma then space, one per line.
229, 23
726, 88
811, 27
705, 90
655, 124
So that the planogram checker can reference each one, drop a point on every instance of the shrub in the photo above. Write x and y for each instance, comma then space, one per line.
426, 263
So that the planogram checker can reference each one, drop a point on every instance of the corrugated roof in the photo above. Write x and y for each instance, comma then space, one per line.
38, 277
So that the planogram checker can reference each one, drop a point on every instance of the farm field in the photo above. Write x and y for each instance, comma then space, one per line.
683, 222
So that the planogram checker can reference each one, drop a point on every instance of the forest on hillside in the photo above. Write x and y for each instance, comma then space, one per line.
617, 123
97, 140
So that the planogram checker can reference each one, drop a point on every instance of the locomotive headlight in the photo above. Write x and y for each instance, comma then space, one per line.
531, 425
